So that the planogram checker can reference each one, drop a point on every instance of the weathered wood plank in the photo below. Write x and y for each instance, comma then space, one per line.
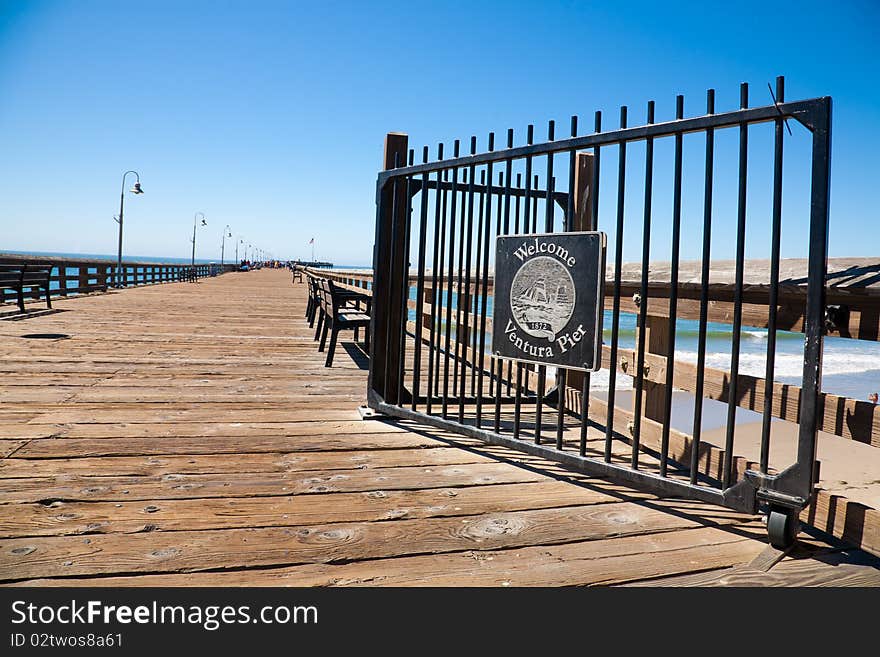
179, 486
80, 447
285, 461
55, 556
66, 518
594, 562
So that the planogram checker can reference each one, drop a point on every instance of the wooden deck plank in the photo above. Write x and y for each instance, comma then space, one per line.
60, 556
288, 460
179, 486
602, 561
66, 518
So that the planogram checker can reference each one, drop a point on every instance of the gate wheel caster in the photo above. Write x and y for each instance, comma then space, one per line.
783, 526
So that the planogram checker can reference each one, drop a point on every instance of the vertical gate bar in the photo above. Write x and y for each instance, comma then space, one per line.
643, 305
733, 388
562, 382
572, 172
449, 285
516, 231
594, 219
441, 279
618, 264
704, 290
504, 229
548, 228
383, 366
444, 212
478, 261
420, 284
457, 293
498, 213
497, 415
561, 375
774, 282
673, 289
814, 321
530, 139
548, 204
517, 400
458, 362
404, 311
535, 206
464, 305
539, 401
484, 297
517, 211
517, 411
434, 283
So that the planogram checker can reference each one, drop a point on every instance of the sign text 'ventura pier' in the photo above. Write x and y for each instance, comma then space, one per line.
548, 298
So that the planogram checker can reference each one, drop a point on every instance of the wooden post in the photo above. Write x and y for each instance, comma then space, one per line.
582, 220
390, 279
656, 342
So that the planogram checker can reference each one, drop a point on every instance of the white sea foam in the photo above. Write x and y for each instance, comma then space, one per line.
789, 368
789, 364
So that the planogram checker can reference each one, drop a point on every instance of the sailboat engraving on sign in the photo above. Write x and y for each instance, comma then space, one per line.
542, 297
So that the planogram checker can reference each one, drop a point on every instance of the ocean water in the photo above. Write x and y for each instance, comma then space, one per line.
851, 368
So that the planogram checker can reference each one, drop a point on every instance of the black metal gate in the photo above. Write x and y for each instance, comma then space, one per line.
433, 282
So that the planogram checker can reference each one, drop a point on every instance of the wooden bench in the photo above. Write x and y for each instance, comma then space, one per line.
19, 277
312, 303
297, 274
340, 311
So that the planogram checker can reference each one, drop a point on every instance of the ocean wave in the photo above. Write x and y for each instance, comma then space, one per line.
789, 366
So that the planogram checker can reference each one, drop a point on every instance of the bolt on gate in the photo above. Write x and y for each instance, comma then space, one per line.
433, 296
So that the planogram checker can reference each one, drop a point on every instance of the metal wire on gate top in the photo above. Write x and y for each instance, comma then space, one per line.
433, 299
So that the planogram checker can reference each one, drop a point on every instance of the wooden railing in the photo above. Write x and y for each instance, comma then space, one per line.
853, 300
77, 276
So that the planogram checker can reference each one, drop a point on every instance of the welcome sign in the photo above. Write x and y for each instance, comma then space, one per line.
548, 299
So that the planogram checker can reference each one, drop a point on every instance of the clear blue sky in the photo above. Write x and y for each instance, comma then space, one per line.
270, 116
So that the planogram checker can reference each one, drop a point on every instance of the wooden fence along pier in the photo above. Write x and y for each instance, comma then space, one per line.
70, 276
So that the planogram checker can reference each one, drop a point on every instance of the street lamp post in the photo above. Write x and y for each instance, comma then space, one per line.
193, 240
223, 242
120, 278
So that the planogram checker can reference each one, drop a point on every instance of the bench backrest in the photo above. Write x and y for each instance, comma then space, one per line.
313, 285
325, 294
27, 275
10, 275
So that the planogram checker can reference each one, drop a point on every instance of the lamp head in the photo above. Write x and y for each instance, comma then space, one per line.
137, 189
204, 223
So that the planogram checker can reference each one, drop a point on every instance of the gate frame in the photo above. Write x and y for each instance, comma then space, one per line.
785, 493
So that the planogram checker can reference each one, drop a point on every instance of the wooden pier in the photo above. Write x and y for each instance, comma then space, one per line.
188, 434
